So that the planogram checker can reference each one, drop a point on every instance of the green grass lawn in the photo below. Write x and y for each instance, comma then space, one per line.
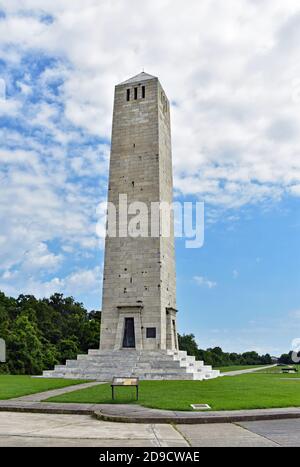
225, 369
17, 386
249, 391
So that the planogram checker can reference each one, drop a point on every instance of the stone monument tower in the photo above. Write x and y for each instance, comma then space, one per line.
139, 290
138, 322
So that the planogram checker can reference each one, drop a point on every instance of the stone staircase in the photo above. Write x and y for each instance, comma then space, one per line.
147, 365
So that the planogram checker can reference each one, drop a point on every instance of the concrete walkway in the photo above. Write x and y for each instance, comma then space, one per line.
19, 429
272, 433
223, 435
41, 396
251, 370
24, 430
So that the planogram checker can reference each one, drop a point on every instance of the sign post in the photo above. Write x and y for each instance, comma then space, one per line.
2, 351
125, 382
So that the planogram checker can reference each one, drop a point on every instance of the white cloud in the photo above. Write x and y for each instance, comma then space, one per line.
204, 282
41, 259
82, 282
231, 70
39, 204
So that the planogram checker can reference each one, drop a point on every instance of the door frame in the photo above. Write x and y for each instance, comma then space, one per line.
134, 312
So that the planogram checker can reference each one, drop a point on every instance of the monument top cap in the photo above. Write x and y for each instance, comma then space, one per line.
138, 78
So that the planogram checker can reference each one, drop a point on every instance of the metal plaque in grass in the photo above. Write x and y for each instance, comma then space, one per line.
201, 406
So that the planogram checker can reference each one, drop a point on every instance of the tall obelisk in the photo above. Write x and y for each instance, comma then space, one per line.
139, 284
138, 323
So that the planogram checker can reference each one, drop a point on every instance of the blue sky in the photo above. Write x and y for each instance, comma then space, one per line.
232, 73
251, 295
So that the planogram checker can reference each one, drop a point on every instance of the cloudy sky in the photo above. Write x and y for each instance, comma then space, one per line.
232, 73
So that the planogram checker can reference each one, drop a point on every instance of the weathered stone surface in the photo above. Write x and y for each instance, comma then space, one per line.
139, 273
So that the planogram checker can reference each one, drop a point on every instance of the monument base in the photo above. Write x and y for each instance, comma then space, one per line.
103, 365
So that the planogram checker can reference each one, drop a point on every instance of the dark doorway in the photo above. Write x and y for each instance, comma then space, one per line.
174, 333
129, 336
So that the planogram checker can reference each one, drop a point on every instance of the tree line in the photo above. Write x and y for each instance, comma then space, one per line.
41, 333
216, 357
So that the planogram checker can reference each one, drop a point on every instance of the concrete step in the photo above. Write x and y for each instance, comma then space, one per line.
166, 376
59, 368
71, 363
103, 365
199, 363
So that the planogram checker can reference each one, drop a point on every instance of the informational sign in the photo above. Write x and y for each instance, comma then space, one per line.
125, 381
2, 351
117, 381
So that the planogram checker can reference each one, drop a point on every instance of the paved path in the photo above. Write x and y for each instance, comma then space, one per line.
283, 432
19, 429
223, 435
250, 370
271, 433
41, 396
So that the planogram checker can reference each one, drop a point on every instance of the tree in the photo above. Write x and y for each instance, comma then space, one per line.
216, 357
42, 333
187, 342
25, 349
68, 349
